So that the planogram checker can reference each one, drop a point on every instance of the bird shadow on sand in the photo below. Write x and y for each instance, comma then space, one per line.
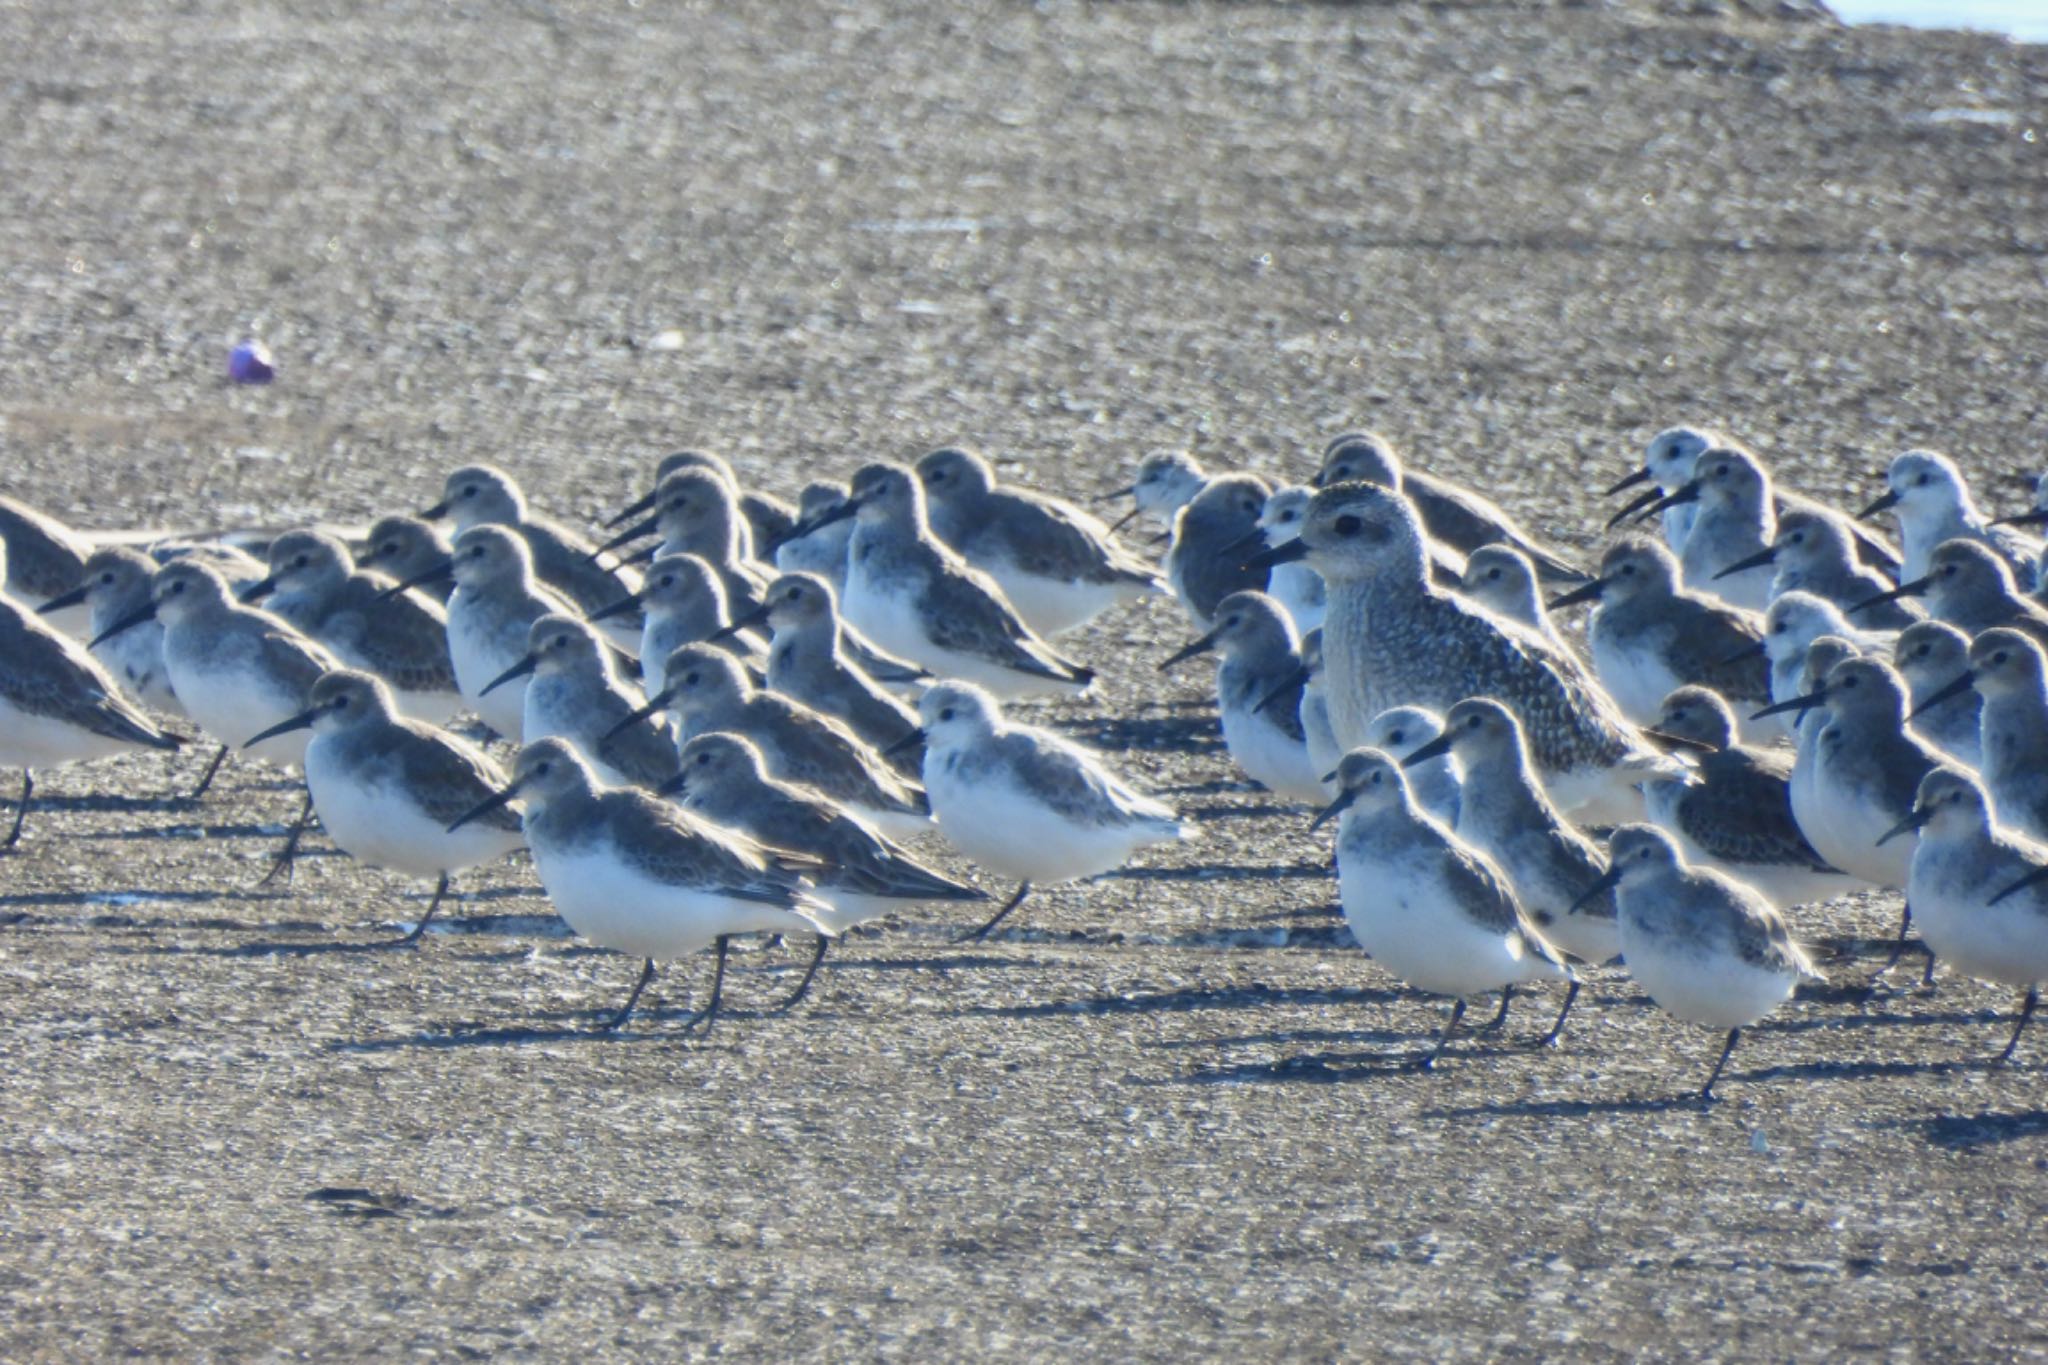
1577, 1109
1975, 1132
1189, 734
1398, 1058
1175, 1002
660, 1024
1219, 872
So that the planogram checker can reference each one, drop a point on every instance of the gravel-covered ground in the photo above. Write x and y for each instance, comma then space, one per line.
1164, 1118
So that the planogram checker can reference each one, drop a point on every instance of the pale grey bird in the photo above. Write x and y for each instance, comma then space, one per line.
495, 603
1975, 888
57, 703
2009, 673
681, 602
1814, 552
917, 599
1929, 656
768, 520
386, 787
1649, 635
859, 873
404, 548
1504, 813
1296, 587
1451, 515
1736, 520
696, 512
482, 495
1735, 815
1261, 654
1706, 948
1214, 537
1503, 580
1058, 566
1971, 588
1391, 639
1927, 493
402, 638
1165, 483
45, 559
707, 690
1791, 624
807, 662
821, 551
1314, 708
640, 875
116, 584
1024, 802
576, 694
1426, 905
1436, 783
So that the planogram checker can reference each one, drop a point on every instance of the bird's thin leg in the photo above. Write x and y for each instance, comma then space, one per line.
1927, 972
1899, 943
1707, 1090
618, 1020
440, 890
28, 789
281, 865
212, 769
2026, 1013
1450, 1027
1550, 1038
1023, 890
809, 972
1500, 1018
709, 1013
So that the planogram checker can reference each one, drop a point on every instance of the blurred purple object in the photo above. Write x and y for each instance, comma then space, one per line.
249, 363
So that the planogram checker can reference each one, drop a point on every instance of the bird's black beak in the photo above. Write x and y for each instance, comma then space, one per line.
1689, 491
1633, 506
1189, 651
2033, 518
1436, 748
1641, 475
302, 721
726, 632
518, 670
1955, 688
618, 608
654, 704
445, 569
62, 600
1917, 588
915, 737
1129, 490
1335, 808
1585, 592
133, 618
1296, 680
259, 590
820, 521
1799, 704
1291, 552
625, 537
1755, 561
436, 512
487, 805
2039, 874
1912, 822
632, 509
1883, 503
1607, 882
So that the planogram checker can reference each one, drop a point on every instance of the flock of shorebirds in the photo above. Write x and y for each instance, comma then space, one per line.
1771, 705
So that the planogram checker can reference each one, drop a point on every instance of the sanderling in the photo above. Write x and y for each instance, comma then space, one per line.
1735, 815
1971, 588
916, 598
401, 638
1791, 625
1815, 553
1973, 888
1649, 635
576, 695
1296, 587
45, 559
1260, 654
1314, 708
116, 584
1503, 580
1926, 492
1025, 803
708, 690
1426, 905
1452, 516
495, 603
1165, 483
640, 875
235, 669
682, 601
859, 872
768, 520
1929, 656
2006, 670
1706, 948
1391, 639
806, 662
1213, 538
1736, 521
404, 548
1058, 566
1436, 782
1504, 813
386, 787
481, 495
821, 551
697, 513
57, 704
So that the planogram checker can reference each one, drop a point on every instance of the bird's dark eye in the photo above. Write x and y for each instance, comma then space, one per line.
1288, 516
469, 492
703, 760
1376, 778
1348, 525
1948, 570
691, 679
177, 587
1628, 570
300, 562
107, 578
341, 703
1923, 480
946, 714
1398, 737
1472, 724
1644, 854
1848, 682
1999, 657
1493, 574
543, 768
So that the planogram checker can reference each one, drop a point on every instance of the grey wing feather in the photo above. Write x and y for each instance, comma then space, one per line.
1742, 814
1465, 521
675, 847
49, 675
449, 776
1050, 539
967, 613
